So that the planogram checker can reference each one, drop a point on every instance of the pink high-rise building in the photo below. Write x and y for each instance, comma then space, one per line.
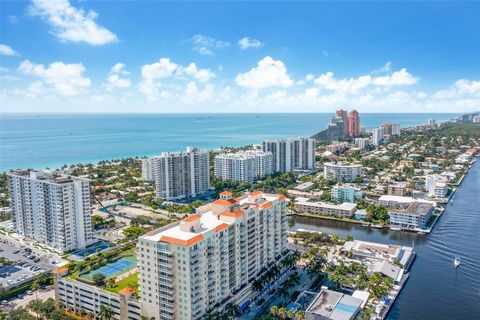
354, 124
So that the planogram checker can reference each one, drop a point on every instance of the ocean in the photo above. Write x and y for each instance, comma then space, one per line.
52, 140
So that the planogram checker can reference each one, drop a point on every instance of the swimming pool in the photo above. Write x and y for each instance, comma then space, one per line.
113, 269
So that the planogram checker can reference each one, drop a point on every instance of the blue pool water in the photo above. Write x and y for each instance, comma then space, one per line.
345, 307
52, 140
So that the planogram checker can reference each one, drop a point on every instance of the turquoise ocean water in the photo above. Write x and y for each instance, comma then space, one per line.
51, 140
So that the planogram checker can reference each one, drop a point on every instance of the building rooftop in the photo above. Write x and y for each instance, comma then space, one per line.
333, 305
343, 206
52, 176
213, 217
418, 208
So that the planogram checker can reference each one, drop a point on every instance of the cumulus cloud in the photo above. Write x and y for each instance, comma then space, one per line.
202, 75
354, 85
206, 45
65, 79
247, 42
153, 74
7, 50
351, 85
398, 78
461, 88
268, 73
70, 24
116, 77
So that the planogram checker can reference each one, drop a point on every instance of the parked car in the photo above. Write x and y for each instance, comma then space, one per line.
16, 251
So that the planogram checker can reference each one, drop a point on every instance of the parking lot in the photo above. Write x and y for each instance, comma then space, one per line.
34, 258
18, 274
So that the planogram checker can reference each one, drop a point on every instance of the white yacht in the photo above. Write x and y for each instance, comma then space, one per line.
456, 262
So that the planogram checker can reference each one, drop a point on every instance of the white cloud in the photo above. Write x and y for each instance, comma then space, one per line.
65, 79
247, 42
194, 95
351, 85
70, 24
115, 79
461, 88
268, 73
398, 78
164, 68
354, 85
153, 74
206, 45
7, 50
202, 75
385, 68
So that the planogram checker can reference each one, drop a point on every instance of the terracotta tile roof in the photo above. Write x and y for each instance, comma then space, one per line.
235, 214
225, 193
221, 227
60, 270
182, 242
127, 291
256, 193
192, 218
266, 205
223, 202
282, 197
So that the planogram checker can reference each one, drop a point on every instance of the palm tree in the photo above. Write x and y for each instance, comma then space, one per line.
291, 314
257, 285
294, 279
283, 291
300, 315
232, 310
106, 313
34, 287
274, 311
35, 306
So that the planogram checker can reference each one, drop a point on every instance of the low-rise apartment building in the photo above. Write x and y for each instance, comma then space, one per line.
206, 260
400, 202
397, 189
345, 193
340, 172
415, 216
306, 205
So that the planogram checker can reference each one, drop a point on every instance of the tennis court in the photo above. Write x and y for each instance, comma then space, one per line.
113, 269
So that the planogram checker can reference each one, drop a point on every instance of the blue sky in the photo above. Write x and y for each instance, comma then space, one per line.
135, 56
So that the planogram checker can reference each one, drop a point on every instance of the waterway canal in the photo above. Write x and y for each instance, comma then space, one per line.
435, 289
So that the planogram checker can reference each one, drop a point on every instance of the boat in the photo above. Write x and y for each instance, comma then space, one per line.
456, 262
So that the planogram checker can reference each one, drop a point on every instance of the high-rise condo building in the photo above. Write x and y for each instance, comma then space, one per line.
209, 259
147, 169
354, 124
291, 154
181, 174
391, 129
346, 124
362, 143
377, 135
243, 166
52, 208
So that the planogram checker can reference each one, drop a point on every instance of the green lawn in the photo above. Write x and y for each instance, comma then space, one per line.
130, 281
